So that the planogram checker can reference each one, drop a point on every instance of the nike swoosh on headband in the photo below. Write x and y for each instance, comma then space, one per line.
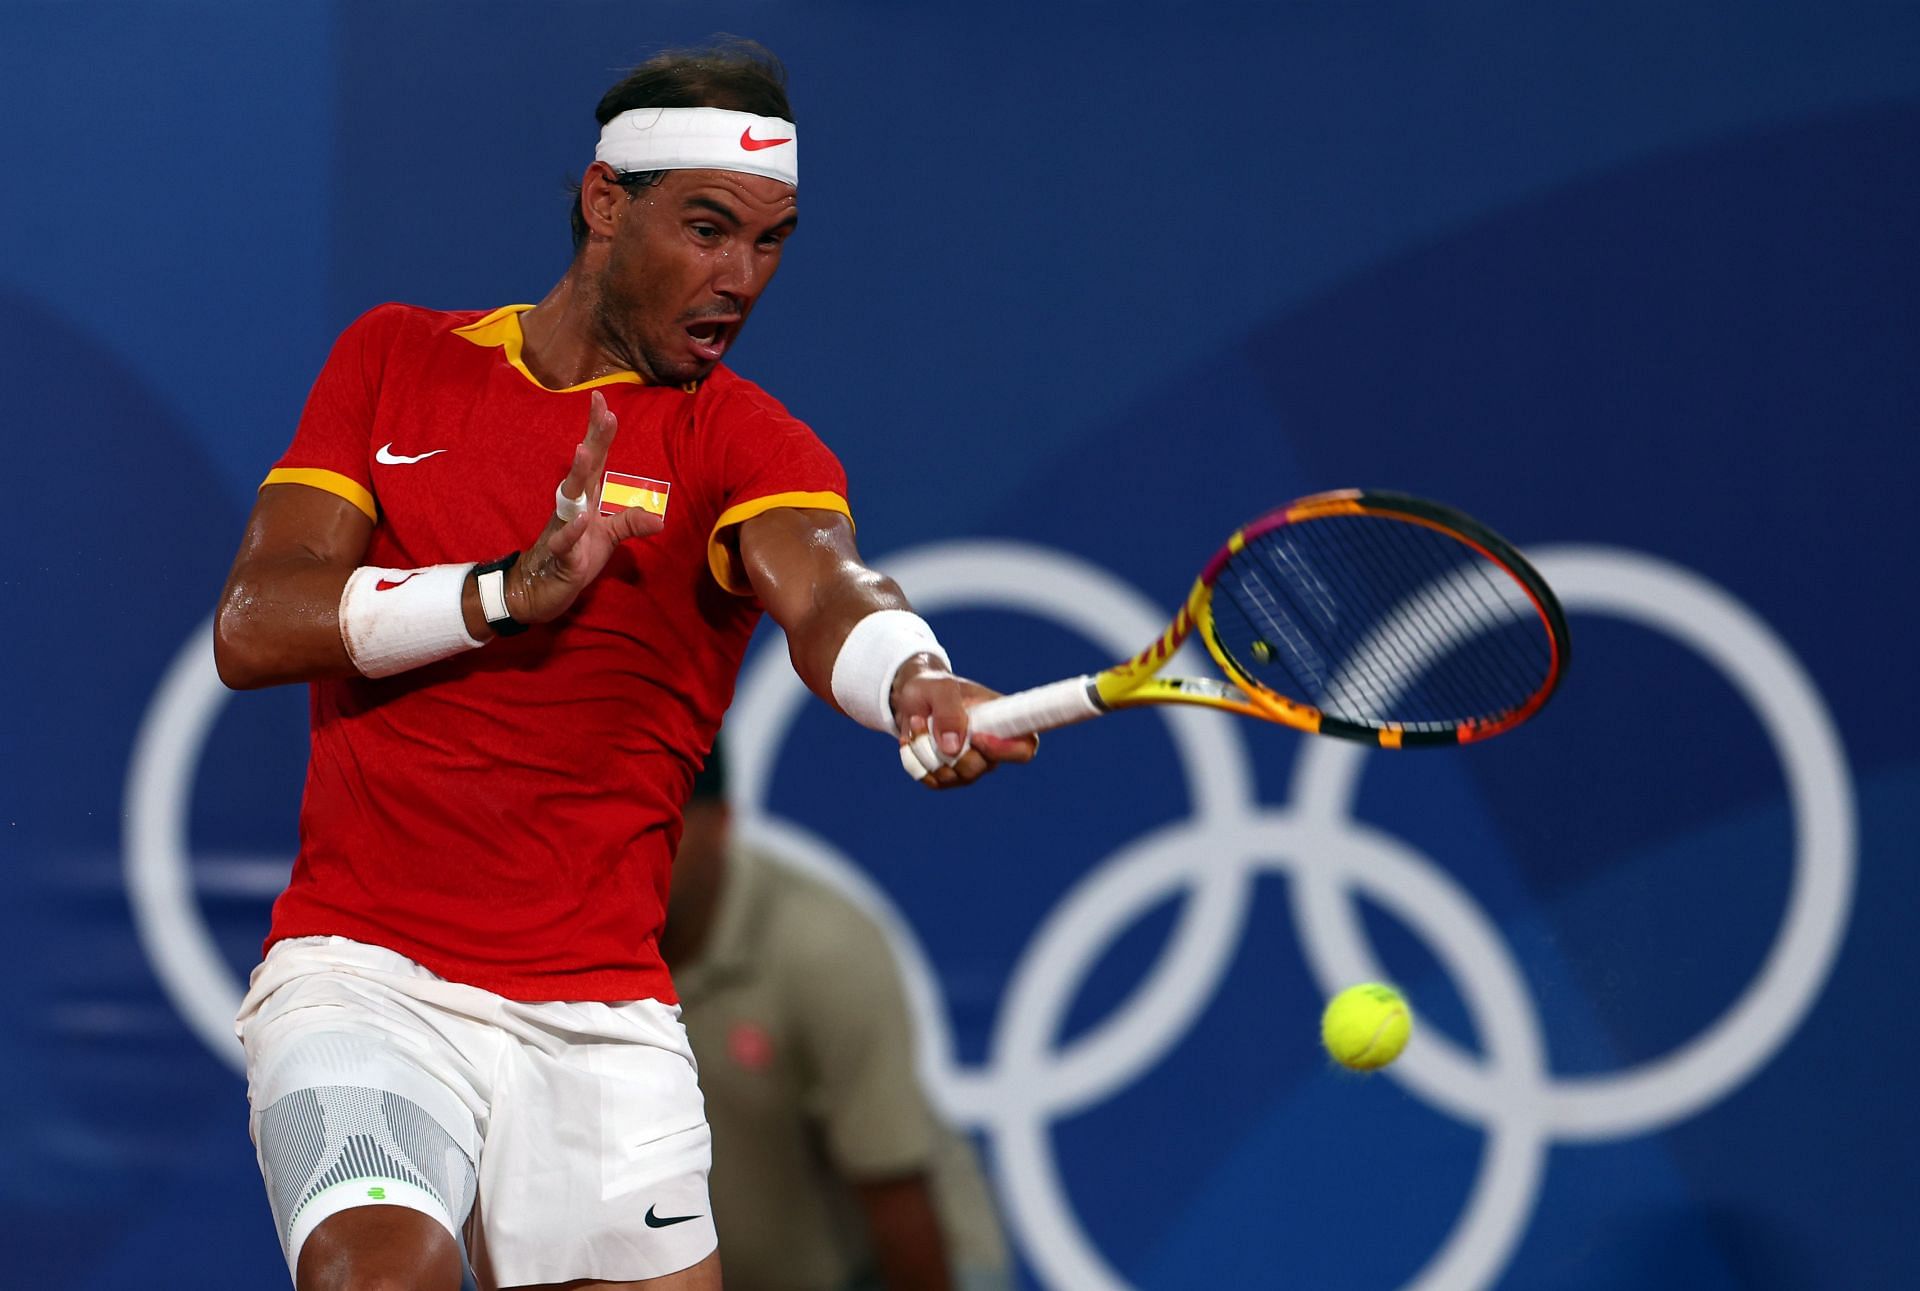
752, 144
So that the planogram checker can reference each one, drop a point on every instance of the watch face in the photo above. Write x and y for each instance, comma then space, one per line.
492, 581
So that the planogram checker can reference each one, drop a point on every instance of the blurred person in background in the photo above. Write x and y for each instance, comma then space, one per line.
831, 1170
462, 1042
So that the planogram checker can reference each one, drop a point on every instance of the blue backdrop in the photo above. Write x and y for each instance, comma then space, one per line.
1080, 287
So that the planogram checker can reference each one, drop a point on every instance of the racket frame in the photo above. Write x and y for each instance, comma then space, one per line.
1137, 682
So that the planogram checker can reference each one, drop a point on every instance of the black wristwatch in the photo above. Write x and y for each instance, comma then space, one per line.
492, 580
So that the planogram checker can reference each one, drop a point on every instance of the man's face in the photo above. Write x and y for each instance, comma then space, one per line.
688, 260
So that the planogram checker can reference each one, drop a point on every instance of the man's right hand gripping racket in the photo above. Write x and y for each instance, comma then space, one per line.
1368, 615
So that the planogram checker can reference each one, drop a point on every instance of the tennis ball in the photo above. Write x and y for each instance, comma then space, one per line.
1365, 1027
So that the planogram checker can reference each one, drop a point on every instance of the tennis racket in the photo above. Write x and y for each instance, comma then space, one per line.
1368, 615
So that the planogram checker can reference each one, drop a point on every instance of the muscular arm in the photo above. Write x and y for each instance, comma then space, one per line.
905, 1231
805, 569
279, 617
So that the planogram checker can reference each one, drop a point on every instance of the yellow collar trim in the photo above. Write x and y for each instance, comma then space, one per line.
501, 330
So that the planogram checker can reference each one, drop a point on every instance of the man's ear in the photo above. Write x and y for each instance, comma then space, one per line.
601, 199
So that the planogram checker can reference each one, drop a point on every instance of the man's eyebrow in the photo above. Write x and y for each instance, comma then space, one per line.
721, 209
728, 214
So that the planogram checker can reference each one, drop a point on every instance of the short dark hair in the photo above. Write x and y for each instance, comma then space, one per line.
740, 75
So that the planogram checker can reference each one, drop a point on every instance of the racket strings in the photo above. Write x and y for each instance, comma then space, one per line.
1457, 597
1381, 621
1472, 599
1346, 689
1370, 686
1271, 627
1284, 613
1377, 665
1381, 658
1449, 597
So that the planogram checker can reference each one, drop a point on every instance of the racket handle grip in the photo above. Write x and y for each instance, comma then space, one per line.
1040, 709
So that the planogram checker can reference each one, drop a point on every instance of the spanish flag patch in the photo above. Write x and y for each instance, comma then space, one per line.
623, 492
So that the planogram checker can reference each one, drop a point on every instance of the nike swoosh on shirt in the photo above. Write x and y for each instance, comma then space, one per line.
752, 144
663, 1221
387, 457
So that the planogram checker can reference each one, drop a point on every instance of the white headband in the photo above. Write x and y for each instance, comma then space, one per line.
700, 139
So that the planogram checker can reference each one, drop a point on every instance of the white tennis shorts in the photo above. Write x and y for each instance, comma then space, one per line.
555, 1140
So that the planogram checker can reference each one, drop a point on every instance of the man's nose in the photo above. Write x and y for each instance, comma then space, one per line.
739, 277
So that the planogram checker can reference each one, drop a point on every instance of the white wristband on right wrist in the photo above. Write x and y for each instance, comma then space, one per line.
395, 619
864, 669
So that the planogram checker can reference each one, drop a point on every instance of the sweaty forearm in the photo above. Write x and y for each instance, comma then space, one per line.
838, 603
302, 604
851, 634
280, 622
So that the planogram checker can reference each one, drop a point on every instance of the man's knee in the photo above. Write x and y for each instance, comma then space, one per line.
379, 1248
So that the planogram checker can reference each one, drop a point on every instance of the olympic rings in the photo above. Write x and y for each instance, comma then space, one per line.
1213, 858
1510, 1093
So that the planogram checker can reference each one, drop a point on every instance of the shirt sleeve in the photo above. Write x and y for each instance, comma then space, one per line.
865, 1093
329, 449
765, 457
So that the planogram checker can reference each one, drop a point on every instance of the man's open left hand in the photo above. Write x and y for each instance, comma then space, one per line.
569, 554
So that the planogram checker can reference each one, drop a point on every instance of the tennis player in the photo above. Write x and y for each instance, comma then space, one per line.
464, 1052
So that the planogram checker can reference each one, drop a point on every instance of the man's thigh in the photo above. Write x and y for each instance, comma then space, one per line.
359, 1101
381, 1246
348, 1130
371, 1089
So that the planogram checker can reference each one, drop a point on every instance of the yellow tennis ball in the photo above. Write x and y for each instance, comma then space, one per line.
1365, 1027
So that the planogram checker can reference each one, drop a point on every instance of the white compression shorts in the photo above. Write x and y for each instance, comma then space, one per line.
556, 1141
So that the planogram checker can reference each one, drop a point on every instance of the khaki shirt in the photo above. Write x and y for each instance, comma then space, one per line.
800, 1025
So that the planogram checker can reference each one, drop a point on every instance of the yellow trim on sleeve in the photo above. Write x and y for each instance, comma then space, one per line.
333, 482
720, 557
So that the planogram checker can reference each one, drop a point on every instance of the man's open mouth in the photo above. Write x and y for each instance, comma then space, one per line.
710, 336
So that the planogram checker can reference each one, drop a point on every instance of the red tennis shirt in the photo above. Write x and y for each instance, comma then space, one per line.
508, 817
